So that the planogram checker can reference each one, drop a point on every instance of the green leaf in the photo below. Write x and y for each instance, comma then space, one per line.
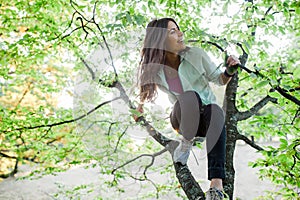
246, 47
298, 10
128, 18
296, 73
284, 143
262, 84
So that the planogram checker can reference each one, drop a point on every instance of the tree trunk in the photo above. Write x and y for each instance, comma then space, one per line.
231, 122
231, 130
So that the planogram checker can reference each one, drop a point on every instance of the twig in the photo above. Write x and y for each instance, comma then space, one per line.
208, 42
119, 139
248, 141
138, 157
69, 26
79, 13
24, 94
89, 69
297, 115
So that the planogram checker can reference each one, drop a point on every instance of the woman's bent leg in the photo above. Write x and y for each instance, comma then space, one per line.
185, 116
213, 117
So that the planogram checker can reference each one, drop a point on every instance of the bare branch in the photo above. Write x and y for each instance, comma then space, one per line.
249, 142
83, 28
208, 42
89, 69
276, 12
147, 179
119, 139
286, 95
107, 47
268, 10
254, 110
138, 157
24, 94
79, 13
297, 115
266, 13
15, 170
7, 156
69, 26
63, 122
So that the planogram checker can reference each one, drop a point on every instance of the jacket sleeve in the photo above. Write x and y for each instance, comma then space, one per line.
212, 71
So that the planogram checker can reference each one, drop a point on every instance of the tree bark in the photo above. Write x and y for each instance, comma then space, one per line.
231, 130
190, 186
231, 121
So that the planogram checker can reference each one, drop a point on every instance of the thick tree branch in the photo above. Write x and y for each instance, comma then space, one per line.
188, 183
254, 110
249, 142
186, 179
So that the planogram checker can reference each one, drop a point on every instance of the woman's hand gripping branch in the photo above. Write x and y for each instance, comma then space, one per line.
139, 109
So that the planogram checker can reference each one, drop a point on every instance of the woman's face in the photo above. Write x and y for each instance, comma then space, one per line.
174, 41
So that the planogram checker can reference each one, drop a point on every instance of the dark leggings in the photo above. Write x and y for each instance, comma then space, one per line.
191, 118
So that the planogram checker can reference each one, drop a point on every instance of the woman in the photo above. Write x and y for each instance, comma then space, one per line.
184, 73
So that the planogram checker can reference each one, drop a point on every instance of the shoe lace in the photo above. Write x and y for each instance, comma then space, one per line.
186, 145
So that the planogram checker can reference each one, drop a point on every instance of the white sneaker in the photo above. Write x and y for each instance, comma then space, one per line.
214, 194
182, 151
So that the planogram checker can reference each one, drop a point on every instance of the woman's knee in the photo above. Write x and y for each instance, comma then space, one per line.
217, 111
190, 97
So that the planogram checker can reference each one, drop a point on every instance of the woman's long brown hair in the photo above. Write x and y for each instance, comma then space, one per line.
152, 57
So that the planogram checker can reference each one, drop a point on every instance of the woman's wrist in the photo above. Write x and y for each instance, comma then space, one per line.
228, 74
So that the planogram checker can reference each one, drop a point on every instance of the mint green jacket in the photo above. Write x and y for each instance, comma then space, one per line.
195, 71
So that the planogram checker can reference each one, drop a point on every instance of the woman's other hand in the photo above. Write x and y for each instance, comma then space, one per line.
139, 109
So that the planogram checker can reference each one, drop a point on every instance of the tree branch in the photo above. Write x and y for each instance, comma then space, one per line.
279, 89
208, 42
286, 95
140, 156
254, 110
188, 183
15, 170
63, 122
297, 115
119, 139
24, 94
249, 142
